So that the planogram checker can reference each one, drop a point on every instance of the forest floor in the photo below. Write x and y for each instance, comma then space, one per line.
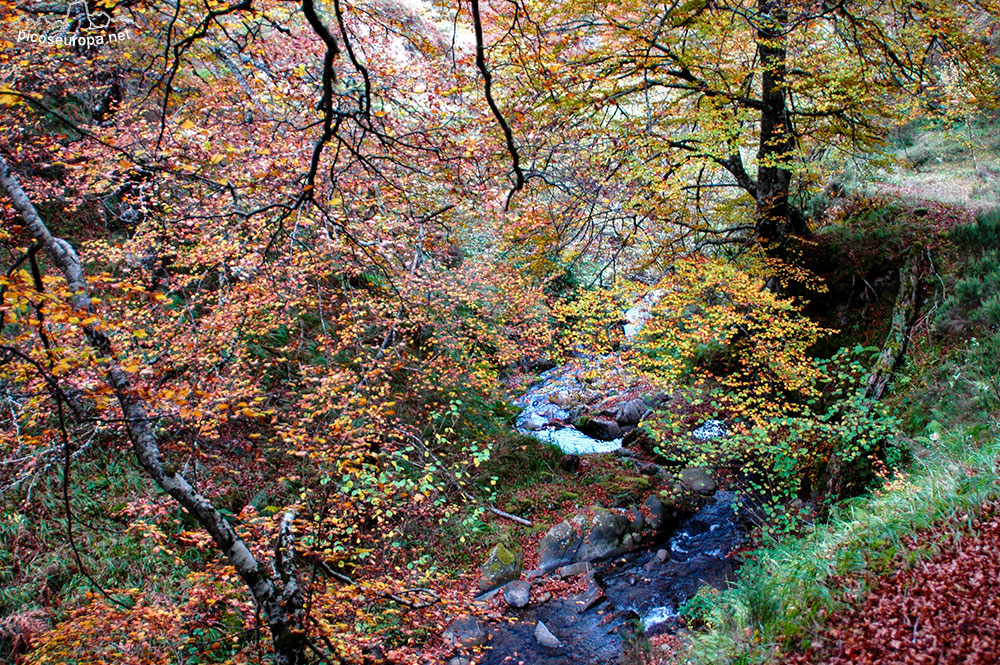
943, 610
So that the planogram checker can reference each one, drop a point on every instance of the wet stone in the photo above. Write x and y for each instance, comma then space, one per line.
698, 480
656, 511
578, 568
517, 593
466, 631
558, 546
545, 637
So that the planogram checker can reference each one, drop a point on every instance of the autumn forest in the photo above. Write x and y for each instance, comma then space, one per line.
526, 331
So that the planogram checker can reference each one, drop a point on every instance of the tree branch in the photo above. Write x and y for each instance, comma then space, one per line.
287, 638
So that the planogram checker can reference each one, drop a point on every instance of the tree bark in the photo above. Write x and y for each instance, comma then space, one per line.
777, 142
904, 314
282, 607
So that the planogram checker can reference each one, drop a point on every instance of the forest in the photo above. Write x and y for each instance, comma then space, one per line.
540, 332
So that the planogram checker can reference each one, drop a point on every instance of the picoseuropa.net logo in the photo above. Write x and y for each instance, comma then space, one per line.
81, 26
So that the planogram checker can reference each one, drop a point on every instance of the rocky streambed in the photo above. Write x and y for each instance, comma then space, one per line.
635, 593
633, 566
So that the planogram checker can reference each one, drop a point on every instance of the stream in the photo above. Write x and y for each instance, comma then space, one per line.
638, 588
642, 589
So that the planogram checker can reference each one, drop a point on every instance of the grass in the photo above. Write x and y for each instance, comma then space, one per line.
957, 163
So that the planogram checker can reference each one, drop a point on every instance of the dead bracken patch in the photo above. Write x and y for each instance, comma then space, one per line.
945, 610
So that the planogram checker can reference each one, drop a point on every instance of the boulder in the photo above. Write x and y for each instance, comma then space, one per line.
637, 522
558, 546
502, 565
541, 364
604, 537
656, 512
631, 412
466, 631
570, 463
545, 637
638, 438
517, 593
599, 428
698, 480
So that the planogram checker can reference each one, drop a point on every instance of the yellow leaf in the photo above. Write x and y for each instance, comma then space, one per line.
187, 124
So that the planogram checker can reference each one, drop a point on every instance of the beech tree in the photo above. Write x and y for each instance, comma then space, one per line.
234, 251
686, 100
254, 212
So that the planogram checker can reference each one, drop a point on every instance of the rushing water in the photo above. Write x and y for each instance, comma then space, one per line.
638, 589
543, 418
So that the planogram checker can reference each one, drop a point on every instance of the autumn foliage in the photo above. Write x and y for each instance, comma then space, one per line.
302, 246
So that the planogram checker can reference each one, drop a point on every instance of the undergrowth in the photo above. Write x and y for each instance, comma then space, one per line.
949, 411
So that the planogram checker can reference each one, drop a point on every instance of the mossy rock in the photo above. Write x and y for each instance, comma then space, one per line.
633, 482
566, 495
502, 565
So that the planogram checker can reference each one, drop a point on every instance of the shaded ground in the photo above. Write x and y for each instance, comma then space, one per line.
945, 610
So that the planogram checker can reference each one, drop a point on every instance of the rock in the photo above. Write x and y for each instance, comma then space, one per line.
578, 568
517, 593
558, 546
545, 637
570, 463
655, 398
630, 412
604, 537
638, 522
466, 631
484, 598
638, 438
541, 365
662, 555
561, 399
502, 565
535, 422
593, 596
697, 480
459, 660
600, 429
656, 512
623, 499
649, 469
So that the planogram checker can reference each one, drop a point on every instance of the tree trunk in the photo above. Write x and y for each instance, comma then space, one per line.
777, 142
282, 608
904, 315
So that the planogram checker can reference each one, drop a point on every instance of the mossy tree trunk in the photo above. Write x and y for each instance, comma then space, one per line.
904, 315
